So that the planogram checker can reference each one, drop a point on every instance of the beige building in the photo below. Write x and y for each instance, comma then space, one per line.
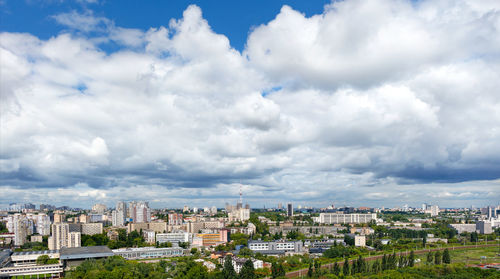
359, 240
59, 217
36, 238
91, 228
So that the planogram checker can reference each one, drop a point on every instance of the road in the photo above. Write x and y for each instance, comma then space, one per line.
303, 272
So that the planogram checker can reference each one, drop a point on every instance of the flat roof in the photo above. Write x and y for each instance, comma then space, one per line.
42, 252
85, 252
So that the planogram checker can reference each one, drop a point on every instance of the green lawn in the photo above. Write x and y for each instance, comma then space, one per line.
470, 256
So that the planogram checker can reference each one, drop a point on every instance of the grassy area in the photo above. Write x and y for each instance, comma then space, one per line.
470, 256
474, 256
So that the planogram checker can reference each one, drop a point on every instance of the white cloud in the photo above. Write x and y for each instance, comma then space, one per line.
371, 97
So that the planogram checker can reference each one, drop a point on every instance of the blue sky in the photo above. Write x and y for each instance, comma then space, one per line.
231, 18
361, 103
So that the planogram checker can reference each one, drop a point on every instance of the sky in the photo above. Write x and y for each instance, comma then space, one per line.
356, 103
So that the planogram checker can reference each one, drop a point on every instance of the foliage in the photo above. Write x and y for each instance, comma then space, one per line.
446, 256
117, 267
45, 259
35, 246
3, 228
228, 269
94, 240
247, 271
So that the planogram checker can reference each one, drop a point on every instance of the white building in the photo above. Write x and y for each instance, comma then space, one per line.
42, 222
149, 236
239, 262
434, 211
174, 237
20, 229
337, 218
74, 239
59, 237
99, 208
239, 215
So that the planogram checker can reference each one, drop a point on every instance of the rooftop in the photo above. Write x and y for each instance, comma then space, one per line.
43, 252
85, 252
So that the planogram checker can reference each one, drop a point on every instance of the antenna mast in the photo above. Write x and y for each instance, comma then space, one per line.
241, 195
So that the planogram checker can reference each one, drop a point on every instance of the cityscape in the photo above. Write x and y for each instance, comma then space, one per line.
65, 236
196, 139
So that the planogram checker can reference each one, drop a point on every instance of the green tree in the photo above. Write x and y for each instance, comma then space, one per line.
228, 269
437, 257
384, 262
245, 252
411, 259
345, 268
376, 268
336, 269
43, 259
446, 256
247, 271
430, 258
310, 270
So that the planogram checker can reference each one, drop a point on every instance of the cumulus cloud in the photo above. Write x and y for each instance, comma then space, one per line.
369, 100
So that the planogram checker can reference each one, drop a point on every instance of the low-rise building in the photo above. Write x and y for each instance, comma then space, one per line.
239, 262
464, 227
175, 237
275, 247
148, 252
338, 218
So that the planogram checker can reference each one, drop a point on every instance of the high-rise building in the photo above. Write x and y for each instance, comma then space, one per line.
213, 210
175, 219
74, 239
434, 210
118, 215
140, 212
289, 210
59, 217
280, 206
42, 222
20, 229
99, 208
59, 237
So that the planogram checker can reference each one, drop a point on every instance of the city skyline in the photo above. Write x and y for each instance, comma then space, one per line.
359, 103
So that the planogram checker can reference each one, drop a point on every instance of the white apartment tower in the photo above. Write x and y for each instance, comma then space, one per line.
59, 237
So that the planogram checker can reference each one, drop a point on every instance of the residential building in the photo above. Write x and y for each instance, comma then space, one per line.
175, 219
20, 229
59, 237
74, 239
149, 236
239, 262
239, 215
99, 208
289, 210
359, 240
119, 214
42, 223
140, 212
91, 228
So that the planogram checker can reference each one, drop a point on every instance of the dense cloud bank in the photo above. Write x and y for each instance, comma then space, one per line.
371, 102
